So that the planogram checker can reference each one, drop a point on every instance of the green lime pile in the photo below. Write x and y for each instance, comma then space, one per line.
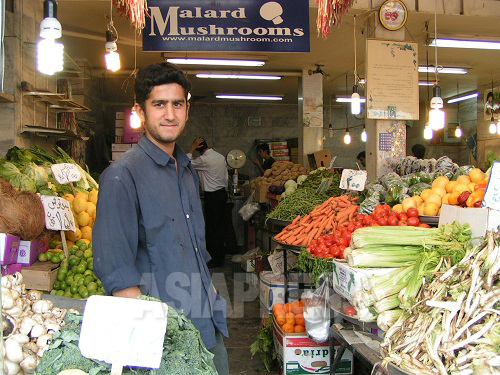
75, 278
51, 256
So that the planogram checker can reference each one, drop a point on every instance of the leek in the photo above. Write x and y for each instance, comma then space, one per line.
393, 236
362, 299
367, 315
365, 258
387, 303
392, 286
386, 319
369, 282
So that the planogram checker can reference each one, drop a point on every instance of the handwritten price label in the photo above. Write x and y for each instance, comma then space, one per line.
58, 215
492, 195
353, 180
65, 173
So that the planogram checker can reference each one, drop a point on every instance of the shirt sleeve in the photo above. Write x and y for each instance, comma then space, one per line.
200, 163
116, 231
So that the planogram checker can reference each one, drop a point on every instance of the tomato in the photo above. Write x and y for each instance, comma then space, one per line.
413, 221
367, 220
359, 225
386, 208
402, 223
412, 212
402, 216
422, 225
329, 241
351, 311
348, 237
392, 220
337, 252
360, 217
351, 227
375, 224
343, 242
382, 221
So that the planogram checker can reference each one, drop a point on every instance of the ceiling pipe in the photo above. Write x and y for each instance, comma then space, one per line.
100, 38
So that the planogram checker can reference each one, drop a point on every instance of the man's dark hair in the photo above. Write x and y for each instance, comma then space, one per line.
263, 147
490, 94
203, 146
155, 75
418, 150
362, 154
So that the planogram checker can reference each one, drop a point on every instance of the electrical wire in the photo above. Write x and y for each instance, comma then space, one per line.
111, 26
435, 44
355, 54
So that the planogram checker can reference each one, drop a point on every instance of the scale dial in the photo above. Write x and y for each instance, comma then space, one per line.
236, 159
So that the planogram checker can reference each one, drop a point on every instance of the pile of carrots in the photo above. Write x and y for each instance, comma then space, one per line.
290, 316
333, 214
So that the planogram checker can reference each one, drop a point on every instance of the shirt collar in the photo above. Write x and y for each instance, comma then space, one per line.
159, 156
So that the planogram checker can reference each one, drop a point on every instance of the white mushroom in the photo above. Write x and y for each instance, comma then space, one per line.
20, 338
73, 311
47, 315
9, 325
29, 364
40, 352
13, 350
15, 312
34, 295
26, 324
17, 278
41, 306
37, 318
15, 293
58, 313
6, 282
8, 300
10, 368
30, 347
43, 340
37, 331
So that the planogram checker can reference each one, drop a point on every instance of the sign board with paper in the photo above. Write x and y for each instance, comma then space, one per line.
324, 185
124, 331
492, 195
65, 173
353, 179
277, 259
58, 215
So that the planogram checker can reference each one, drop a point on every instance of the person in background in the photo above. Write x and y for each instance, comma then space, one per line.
211, 167
418, 151
149, 234
362, 158
264, 153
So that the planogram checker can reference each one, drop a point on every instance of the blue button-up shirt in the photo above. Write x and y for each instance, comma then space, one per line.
150, 232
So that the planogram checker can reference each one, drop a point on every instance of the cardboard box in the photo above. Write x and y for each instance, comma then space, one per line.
119, 124
347, 280
279, 153
119, 131
40, 275
261, 192
248, 259
283, 146
11, 269
120, 115
121, 147
299, 355
320, 159
479, 219
28, 252
9, 247
272, 288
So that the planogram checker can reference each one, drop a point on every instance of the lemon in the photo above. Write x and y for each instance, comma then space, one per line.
450, 185
83, 219
93, 196
421, 209
439, 191
74, 236
83, 195
418, 200
441, 182
431, 209
434, 198
425, 193
90, 208
476, 175
408, 203
86, 232
69, 197
398, 208
79, 204
460, 188
445, 198
464, 180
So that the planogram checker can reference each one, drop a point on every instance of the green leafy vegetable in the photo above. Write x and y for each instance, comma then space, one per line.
264, 344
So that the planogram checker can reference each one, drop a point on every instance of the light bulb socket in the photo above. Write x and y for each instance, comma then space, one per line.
355, 89
109, 36
50, 9
437, 91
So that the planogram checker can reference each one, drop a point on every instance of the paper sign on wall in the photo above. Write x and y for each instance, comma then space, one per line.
492, 195
277, 261
58, 215
353, 179
65, 173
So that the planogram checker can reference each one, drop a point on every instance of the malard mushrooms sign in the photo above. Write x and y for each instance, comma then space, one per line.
227, 25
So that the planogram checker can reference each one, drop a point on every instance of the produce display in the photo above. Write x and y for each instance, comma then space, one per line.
334, 213
289, 316
301, 202
453, 326
280, 172
315, 177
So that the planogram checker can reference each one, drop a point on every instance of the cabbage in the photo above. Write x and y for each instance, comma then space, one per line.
37, 174
301, 178
290, 184
23, 182
8, 170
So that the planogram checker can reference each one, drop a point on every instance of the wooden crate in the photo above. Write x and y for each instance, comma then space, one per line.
40, 275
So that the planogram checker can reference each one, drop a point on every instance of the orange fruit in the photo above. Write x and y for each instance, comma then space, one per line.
453, 198
299, 329
434, 198
463, 179
290, 319
288, 328
472, 186
439, 191
418, 199
287, 307
425, 193
461, 188
445, 199
296, 308
431, 209
450, 185
408, 203
441, 182
280, 319
277, 306
299, 319
421, 209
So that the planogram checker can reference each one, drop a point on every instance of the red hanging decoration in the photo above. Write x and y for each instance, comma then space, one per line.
134, 10
330, 12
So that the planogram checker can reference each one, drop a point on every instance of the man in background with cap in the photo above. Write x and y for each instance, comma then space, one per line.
212, 170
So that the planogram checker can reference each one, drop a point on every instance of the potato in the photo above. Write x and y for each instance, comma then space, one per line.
267, 173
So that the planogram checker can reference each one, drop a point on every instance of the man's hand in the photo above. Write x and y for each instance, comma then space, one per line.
197, 143
132, 292
256, 161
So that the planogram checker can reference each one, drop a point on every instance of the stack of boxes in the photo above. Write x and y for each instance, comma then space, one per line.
125, 135
16, 253
279, 150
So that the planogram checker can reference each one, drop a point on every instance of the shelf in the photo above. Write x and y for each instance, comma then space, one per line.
50, 132
56, 101
6, 98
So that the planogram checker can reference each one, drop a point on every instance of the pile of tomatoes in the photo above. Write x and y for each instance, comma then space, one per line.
333, 245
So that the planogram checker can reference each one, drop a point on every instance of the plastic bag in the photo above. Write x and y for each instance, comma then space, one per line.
376, 191
368, 205
417, 189
463, 170
317, 312
249, 208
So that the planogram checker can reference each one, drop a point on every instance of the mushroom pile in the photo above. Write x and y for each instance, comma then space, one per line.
28, 325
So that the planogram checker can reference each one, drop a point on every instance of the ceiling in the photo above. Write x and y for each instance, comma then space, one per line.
84, 25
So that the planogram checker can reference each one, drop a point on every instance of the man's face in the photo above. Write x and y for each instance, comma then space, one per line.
165, 113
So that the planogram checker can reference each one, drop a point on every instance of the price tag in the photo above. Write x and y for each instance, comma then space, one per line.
277, 262
65, 173
353, 180
492, 195
324, 185
58, 215
330, 166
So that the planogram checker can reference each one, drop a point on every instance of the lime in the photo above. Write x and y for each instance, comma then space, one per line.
67, 289
83, 263
82, 289
77, 296
100, 293
42, 257
90, 265
87, 253
89, 273
53, 292
74, 261
68, 295
70, 280
99, 283
73, 250
74, 289
79, 282
88, 280
70, 273
89, 246
64, 263
60, 293
61, 276
82, 246
57, 285
92, 287
80, 269
55, 259
48, 254
62, 285
84, 293
73, 269
79, 253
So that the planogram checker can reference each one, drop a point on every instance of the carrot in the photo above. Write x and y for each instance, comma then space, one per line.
346, 212
351, 215
323, 225
292, 226
289, 234
342, 220
294, 221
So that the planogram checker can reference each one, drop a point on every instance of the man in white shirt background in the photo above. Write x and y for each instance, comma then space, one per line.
212, 170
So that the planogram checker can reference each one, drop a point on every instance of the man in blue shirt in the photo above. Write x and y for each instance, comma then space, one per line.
149, 235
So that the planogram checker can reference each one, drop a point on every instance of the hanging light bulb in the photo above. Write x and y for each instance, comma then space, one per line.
112, 57
330, 131
355, 101
458, 132
347, 137
135, 121
493, 126
364, 136
50, 54
428, 132
436, 114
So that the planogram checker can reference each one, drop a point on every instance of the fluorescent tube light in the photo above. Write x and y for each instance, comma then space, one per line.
425, 83
349, 100
237, 76
473, 44
181, 61
248, 97
430, 69
465, 97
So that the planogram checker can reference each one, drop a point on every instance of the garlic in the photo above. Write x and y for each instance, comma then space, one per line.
26, 324
13, 350
41, 306
43, 340
34, 295
37, 331
29, 364
8, 300
10, 368
30, 347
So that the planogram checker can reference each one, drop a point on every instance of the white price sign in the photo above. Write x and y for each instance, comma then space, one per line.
58, 215
65, 173
492, 195
353, 179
